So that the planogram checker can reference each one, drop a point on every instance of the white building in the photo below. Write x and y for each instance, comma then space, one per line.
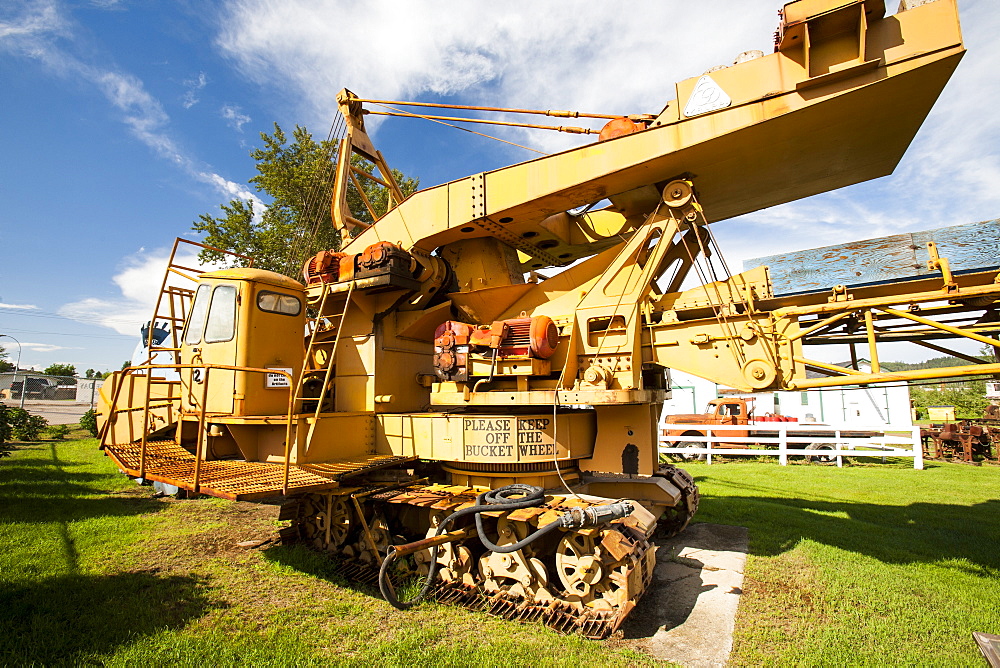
877, 406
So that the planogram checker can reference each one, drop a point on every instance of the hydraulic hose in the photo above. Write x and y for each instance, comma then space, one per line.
501, 499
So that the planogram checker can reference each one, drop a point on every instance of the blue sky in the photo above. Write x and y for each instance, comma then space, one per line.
123, 120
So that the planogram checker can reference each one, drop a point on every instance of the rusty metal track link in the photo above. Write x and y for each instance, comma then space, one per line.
584, 581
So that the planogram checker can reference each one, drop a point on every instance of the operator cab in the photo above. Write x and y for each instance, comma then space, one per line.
243, 318
727, 408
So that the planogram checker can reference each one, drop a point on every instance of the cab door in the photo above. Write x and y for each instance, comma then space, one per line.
211, 338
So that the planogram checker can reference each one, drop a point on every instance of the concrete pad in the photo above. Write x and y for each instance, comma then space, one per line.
688, 614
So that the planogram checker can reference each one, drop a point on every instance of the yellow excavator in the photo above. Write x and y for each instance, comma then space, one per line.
430, 404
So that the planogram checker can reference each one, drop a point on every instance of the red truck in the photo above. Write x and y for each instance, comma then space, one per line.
738, 411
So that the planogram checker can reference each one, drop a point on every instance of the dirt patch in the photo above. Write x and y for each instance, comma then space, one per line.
198, 530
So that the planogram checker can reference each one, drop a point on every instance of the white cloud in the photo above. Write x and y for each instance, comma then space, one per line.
138, 283
595, 57
193, 86
37, 18
235, 118
31, 35
523, 53
46, 347
19, 306
949, 176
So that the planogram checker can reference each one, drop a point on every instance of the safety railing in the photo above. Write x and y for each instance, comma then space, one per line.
200, 445
788, 439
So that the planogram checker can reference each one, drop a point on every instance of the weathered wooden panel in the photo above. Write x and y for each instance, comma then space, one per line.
971, 247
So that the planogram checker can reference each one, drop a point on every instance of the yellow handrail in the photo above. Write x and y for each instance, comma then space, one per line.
199, 449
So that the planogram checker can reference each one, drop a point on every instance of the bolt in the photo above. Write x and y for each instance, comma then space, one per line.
691, 217
758, 374
676, 193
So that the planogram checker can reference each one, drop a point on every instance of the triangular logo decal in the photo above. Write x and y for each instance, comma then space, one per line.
706, 97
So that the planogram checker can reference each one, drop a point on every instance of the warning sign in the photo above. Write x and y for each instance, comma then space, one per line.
277, 380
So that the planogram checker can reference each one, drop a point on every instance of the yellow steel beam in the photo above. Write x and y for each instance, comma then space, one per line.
938, 325
899, 376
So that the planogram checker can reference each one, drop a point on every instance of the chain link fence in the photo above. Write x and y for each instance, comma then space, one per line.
59, 399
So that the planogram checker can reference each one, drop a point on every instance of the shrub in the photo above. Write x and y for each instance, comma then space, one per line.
4, 424
89, 422
57, 431
24, 426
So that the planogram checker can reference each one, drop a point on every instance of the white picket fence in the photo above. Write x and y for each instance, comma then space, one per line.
718, 438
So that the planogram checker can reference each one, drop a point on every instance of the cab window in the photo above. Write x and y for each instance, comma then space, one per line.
196, 322
221, 325
277, 302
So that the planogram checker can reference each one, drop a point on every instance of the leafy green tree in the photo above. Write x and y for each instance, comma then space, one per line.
969, 401
60, 370
296, 174
4, 364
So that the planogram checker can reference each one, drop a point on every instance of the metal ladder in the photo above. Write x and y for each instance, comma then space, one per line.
334, 321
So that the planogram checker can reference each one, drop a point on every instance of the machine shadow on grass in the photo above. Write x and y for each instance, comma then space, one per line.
39, 490
326, 567
912, 533
74, 619
317, 564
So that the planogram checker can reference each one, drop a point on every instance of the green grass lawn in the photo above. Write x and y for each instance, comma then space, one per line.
865, 565
94, 571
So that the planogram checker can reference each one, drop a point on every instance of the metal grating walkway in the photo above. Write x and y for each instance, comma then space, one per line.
170, 463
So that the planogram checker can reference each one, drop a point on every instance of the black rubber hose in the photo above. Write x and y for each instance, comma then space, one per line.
493, 500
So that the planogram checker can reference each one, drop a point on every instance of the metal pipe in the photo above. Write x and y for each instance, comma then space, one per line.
441, 539
555, 113
288, 427
872, 349
557, 128
199, 449
828, 367
886, 377
823, 323
145, 425
939, 325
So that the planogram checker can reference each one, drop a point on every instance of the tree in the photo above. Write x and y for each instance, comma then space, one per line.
298, 179
60, 370
969, 401
4, 364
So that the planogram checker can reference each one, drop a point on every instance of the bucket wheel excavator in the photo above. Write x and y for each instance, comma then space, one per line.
457, 413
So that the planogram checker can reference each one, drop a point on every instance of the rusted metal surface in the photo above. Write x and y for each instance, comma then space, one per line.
963, 441
975, 246
426, 543
168, 462
586, 581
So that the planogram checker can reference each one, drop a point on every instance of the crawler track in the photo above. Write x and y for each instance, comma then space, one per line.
584, 581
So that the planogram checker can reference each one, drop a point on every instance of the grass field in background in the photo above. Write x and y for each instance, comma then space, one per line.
94, 571
865, 565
